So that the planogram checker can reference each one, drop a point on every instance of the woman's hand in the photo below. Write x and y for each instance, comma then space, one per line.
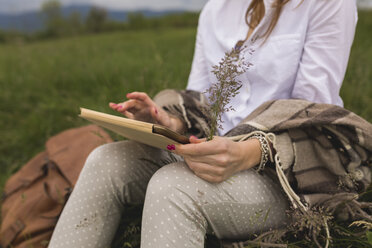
220, 158
141, 107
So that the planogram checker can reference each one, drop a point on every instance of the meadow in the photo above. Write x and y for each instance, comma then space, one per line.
43, 84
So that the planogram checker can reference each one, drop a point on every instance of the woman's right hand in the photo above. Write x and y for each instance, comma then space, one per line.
141, 107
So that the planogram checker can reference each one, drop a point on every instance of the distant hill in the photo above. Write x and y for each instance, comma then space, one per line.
32, 21
365, 4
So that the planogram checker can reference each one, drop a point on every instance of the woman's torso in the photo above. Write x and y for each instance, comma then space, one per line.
275, 62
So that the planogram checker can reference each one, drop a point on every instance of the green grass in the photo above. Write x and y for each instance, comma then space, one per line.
357, 88
43, 84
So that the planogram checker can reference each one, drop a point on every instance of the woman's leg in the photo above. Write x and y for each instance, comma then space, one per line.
180, 207
113, 176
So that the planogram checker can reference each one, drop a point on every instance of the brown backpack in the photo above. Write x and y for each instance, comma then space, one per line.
34, 197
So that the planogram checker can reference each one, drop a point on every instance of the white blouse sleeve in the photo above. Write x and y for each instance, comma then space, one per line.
198, 78
326, 51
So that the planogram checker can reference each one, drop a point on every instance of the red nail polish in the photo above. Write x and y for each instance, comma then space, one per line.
156, 111
171, 147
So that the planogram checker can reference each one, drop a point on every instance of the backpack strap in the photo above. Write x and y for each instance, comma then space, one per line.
61, 200
28, 174
69, 149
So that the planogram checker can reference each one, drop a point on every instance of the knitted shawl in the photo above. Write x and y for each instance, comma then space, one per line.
323, 151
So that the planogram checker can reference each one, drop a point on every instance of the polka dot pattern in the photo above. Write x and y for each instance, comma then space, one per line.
113, 176
179, 207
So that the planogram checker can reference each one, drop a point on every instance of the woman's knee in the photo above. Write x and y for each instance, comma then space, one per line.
172, 199
174, 183
112, 159
123, 167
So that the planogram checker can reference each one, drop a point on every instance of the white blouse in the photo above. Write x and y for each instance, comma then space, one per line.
305, 56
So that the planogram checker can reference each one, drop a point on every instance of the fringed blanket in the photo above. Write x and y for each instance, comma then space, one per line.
323, 152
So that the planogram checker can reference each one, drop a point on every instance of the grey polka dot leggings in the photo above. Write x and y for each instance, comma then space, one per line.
179, 207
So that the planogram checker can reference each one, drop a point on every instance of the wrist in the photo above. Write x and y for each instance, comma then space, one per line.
250, 152
266, 147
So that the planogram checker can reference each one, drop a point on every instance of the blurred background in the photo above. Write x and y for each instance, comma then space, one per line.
66, 17
41, 18
59, 55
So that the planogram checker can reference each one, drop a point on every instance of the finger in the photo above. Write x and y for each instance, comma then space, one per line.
204, 168
131, 105
129, 115
199, 149
216, 160
115, 106
118, 107
195, 140
112, 105
192, 150
155, 114
141, 96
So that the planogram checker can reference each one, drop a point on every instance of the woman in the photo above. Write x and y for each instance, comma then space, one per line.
298, 49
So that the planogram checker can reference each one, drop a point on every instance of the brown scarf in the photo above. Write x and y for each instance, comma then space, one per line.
323, 151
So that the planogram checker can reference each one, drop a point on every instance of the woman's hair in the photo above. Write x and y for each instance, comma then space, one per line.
256, 12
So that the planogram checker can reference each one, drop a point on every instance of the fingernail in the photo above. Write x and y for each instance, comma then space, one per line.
156, 111
192, 136
127, 94
171, 147
120, 107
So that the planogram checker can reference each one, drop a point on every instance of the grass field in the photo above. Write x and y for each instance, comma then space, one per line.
43, 84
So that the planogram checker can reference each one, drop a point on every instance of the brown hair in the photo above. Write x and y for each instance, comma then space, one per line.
256, 12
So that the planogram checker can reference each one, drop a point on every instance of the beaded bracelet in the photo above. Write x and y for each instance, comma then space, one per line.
265, 149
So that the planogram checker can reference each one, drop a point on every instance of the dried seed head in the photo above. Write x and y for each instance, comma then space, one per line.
227, 86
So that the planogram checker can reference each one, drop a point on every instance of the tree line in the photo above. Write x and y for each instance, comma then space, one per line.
57, 25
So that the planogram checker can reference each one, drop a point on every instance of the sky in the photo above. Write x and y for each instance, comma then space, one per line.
365, 3
19, 6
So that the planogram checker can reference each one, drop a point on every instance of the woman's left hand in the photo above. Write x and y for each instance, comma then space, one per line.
220, 158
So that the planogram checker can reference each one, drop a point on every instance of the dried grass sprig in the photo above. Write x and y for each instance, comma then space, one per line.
227, 86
